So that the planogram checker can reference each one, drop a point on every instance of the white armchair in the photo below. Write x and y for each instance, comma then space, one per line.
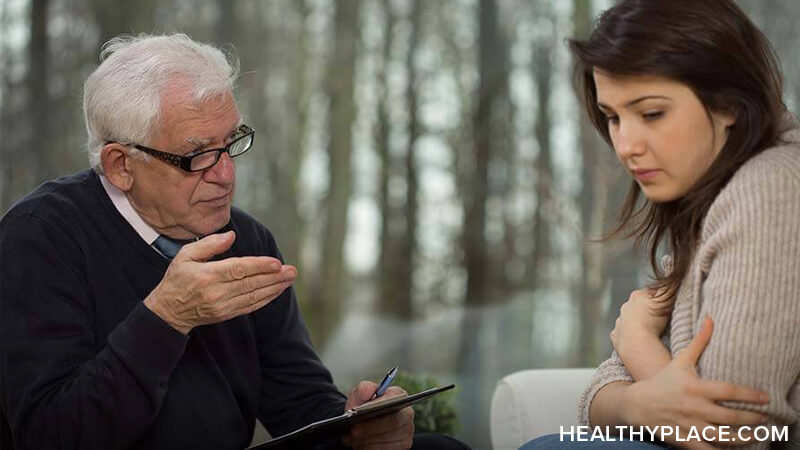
531, 403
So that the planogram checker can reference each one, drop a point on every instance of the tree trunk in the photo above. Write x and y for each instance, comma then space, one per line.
409, 240
225, 26
7, 182
388, 279
292, 226
116, 18
487, 124
327, 295
39, 101
593, 206
544, 166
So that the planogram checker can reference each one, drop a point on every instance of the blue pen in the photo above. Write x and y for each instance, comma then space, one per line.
385, 383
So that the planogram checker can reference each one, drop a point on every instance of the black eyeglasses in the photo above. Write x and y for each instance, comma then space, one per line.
241, 141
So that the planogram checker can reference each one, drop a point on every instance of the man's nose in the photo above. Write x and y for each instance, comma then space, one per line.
223, 172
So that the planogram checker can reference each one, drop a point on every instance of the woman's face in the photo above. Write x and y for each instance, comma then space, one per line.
661, 132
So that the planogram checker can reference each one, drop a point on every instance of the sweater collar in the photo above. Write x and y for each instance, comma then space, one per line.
123, 205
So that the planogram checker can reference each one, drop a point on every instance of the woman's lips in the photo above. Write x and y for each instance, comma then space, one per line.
645, 174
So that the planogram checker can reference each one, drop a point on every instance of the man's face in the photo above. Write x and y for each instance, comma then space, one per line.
180, 204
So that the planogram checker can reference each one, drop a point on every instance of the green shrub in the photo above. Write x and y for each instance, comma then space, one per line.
435, 414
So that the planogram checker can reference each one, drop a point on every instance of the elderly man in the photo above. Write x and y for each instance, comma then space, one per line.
138, 309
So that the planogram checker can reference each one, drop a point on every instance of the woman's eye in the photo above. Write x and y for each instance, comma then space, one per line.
612, 120
652, 115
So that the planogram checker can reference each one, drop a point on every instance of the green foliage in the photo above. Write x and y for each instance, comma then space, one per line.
436, 414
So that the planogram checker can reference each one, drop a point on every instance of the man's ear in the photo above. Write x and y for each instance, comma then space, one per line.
116, 165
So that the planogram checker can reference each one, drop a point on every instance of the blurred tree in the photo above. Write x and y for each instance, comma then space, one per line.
489, 127
9, 139
116, 18
326, 296
38, 98
291, 226
408, 242
254, 43
388, 281
226, 23
399, 218
542, 68
593, 202
492, 98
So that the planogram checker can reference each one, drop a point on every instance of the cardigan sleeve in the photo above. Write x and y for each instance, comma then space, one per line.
609, 371
750, 287
613, 369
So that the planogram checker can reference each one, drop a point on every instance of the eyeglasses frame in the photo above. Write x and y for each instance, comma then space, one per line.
184, 162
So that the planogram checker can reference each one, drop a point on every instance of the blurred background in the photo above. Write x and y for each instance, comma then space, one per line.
424, 164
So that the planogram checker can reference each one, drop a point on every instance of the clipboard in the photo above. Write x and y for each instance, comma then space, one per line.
318, 432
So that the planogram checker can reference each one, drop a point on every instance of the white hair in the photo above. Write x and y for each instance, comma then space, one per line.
122, 97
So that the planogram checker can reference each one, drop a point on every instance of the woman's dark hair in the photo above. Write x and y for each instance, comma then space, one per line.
713, 48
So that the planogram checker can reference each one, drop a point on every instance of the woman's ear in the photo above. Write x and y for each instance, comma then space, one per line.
726, 118
114, 158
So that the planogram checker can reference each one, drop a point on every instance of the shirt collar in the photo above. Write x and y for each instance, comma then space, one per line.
123, 205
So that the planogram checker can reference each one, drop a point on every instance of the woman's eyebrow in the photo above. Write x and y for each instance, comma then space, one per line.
633, 102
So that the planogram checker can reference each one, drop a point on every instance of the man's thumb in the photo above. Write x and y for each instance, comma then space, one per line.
691, 354
208, 247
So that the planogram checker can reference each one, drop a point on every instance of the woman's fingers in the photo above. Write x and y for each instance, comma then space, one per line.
732, 417
691, 354
721, 390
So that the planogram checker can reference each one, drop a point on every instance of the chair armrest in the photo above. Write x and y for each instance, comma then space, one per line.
532, 403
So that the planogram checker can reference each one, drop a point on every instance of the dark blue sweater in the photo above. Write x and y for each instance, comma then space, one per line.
85, 365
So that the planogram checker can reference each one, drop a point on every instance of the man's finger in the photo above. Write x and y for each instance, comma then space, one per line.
401, 438
237, 268
691, 354
206, 248
361, 394
394, 391
251, 301
258, 281
388, 424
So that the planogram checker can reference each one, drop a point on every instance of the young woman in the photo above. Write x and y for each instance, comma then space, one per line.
688, 94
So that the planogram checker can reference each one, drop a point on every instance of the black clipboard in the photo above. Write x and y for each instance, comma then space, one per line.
319, 432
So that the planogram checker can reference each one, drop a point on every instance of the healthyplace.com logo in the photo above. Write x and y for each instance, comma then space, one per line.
721, 433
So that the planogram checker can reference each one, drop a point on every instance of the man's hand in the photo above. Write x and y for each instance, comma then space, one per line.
392, 431
677, 397
195, 292
636, 334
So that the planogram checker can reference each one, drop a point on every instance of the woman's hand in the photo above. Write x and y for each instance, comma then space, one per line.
643, 313
637, 331
677, 397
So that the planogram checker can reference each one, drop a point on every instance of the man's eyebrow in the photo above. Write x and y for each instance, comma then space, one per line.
636, 100
202, 142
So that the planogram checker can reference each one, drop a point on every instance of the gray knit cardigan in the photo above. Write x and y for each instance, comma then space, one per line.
745, 274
